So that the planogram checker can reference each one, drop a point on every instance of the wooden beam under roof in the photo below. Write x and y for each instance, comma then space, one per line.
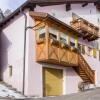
58, 2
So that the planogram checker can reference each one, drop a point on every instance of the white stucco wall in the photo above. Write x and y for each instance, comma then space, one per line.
71, 81
12, 47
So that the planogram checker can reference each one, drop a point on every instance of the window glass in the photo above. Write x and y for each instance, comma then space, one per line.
63, 37
42, 32
53, 32
90, 51
72, 41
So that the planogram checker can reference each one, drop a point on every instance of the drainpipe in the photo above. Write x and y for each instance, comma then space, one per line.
24, 54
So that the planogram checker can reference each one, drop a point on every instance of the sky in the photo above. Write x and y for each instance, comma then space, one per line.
10, 4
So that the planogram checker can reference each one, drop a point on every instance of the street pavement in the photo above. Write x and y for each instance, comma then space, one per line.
92, 94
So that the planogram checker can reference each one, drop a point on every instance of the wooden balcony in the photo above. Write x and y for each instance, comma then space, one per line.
56, 52
88, 30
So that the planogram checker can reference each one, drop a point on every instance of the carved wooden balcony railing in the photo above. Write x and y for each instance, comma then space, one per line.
56, 52
88, 30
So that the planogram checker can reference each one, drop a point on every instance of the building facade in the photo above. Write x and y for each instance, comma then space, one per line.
40, 52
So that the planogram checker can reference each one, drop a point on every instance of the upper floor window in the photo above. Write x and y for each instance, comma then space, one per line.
42, 32
63, 37
53, 32
90, 51
72, 41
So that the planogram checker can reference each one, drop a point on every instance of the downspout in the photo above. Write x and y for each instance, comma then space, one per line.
24, 54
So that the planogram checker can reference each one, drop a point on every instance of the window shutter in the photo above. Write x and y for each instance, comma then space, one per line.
94, 53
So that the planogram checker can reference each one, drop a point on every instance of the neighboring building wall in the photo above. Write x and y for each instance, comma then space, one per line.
12, 44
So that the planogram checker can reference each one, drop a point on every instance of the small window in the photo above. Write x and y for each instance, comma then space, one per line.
10, 70
53, 32
42, 32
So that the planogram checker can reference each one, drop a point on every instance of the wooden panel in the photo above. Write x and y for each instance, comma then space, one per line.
73, 58
52, 81
64, 55
53, 52
85, 27
40, 51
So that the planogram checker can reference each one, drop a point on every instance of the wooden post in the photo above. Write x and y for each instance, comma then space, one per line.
76, 42
68, 40
58, 38
36, 39
47, 40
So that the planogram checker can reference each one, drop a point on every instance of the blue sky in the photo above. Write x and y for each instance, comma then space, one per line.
10, 4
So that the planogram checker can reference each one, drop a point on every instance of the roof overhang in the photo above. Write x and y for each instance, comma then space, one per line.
59, 2
48, 17
32, 3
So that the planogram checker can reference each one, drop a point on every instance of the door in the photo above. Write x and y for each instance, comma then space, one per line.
52, 82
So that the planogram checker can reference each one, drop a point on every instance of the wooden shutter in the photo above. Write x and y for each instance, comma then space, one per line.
94, 53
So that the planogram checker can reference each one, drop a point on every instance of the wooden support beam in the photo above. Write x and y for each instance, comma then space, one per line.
47, 40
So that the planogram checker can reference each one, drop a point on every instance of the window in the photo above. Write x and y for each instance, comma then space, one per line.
63, 37
53, 32
81, 48
90, 51
42, 32
10, 70
72, 41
